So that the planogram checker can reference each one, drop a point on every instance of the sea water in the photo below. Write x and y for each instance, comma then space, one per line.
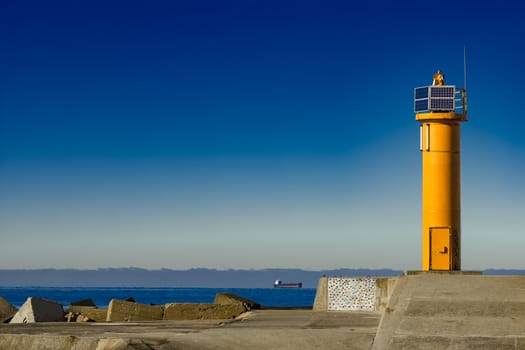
267, 297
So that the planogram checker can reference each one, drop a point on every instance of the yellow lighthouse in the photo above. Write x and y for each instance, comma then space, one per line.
440, 109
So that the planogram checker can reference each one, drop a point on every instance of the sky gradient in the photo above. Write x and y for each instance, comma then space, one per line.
250, 134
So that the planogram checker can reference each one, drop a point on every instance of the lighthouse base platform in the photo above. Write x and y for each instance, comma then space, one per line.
454, 311
435, 310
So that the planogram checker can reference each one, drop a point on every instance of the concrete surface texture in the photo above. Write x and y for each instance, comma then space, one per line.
39, 310
188, 311
454, 311
257, 330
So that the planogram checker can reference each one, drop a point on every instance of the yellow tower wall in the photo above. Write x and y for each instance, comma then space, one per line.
441, 192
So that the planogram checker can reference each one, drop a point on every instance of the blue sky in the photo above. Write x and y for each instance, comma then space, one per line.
250, 134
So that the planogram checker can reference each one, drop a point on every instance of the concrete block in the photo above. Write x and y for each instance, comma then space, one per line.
7, 310
97, 315
125, 311
229, 298
79, 309
83, 302
80, 306
188, 311
39, 310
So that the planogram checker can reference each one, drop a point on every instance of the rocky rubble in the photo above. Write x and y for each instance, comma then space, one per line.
225, 306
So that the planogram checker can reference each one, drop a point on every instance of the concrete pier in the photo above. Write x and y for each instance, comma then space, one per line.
257, 330
421, 311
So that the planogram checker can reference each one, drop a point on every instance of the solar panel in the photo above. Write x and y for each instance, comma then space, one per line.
441, 104
421, 106
421, 99
421, 92
441, 91
434, 99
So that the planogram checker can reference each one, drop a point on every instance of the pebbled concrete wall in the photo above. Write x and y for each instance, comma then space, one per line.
353, 293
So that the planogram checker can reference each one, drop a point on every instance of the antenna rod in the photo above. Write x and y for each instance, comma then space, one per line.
465, 67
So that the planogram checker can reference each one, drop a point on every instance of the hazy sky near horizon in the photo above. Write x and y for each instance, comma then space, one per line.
250, 134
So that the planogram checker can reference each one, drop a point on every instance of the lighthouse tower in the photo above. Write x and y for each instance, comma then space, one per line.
440, 109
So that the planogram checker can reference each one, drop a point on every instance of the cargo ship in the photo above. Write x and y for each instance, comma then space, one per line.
280, 284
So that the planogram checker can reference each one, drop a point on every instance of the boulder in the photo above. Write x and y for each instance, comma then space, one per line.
125, 311
82, 318
39, 310
229, 298
71, 317
188, 311
6, 310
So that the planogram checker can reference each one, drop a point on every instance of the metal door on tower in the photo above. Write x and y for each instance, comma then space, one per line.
440, 254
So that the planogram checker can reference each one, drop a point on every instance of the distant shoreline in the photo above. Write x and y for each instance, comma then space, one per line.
192, 278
